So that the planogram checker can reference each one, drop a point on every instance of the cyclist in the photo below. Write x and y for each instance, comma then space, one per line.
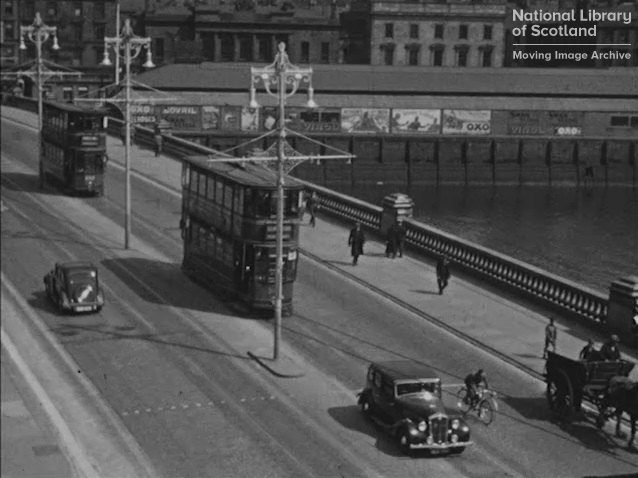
472, 382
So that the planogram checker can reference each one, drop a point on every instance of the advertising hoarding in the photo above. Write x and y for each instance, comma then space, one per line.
210, 117
547, 123
181, 117
143, 114
365, 120
415, 121
472, 122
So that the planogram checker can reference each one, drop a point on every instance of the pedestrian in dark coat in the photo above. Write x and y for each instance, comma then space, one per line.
400, 231
442, 273
159, 141
356, 241
589, 352
311, 204
123, 134
392, 241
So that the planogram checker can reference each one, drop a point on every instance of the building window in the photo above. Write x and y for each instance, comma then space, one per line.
77, 57
227, 47
52, 9
325, 52
99, 30
77, 9
305, 52
414, 31
158, 50
438, 31
634, 122
389, 30
8, 8
437, 55
245, 48
83, 91
67, 93
29, 9
264, 48
463, 32
388, 54
486, 56
9, 31
98, 54
77, 32
99, 10
487, 32
413, 56
619, 121
461, 55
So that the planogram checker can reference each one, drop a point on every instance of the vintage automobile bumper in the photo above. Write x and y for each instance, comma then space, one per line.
438, 446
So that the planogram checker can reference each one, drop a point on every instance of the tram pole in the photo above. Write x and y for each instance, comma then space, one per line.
130, 46
281, 79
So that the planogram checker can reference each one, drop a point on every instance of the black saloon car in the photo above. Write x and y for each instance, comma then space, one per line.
404, 398
74, 287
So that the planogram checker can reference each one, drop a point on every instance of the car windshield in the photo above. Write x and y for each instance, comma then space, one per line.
81, 277
417, 387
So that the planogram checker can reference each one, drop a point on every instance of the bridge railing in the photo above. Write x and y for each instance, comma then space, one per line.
543, 287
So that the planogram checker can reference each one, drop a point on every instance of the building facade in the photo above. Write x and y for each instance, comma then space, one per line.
433, 33
9, 33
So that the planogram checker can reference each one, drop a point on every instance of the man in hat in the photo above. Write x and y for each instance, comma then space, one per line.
610, 350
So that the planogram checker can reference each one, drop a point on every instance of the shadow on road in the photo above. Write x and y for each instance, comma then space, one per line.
164, 283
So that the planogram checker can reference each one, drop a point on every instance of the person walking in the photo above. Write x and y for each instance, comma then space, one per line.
442, 273
550, 337
400, 230
356, 241
391, 241
158, 140
311, 204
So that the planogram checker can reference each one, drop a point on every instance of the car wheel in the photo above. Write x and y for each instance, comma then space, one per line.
404, 442
457, 450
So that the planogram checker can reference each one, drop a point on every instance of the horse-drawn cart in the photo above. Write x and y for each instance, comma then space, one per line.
570, 382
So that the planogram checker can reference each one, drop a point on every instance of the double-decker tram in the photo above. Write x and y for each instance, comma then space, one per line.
229, 230
73, 152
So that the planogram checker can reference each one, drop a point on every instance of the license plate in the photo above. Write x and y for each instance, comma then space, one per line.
90, 178
84, 308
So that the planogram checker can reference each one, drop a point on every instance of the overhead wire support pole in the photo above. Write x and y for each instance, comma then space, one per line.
132, 46
280, 75
38, 33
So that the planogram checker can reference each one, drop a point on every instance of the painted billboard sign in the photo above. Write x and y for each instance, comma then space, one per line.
143, 114
249, 119
231, 117
415, 121
181, 117
531, 123
467, 121
210, 117
365, 120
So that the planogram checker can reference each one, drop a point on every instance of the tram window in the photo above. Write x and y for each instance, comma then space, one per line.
219, 192
619, 121
228, 196
238, 206
210, 185
265, 205
192, 183
201, 188
292, 202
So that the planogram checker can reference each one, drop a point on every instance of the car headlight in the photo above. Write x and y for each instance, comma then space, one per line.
422, 426
456, 423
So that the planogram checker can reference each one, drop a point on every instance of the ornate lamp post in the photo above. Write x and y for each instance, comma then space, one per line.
38, 33
129, 46
281, 79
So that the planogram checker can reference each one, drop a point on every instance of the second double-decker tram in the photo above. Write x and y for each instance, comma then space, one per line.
73, 150
229, 221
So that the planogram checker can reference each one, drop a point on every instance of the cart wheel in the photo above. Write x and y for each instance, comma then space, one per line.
560, 394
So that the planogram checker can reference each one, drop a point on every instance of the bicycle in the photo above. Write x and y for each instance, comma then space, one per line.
485, 405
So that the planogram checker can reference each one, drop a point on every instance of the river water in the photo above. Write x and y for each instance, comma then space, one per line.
586, 235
